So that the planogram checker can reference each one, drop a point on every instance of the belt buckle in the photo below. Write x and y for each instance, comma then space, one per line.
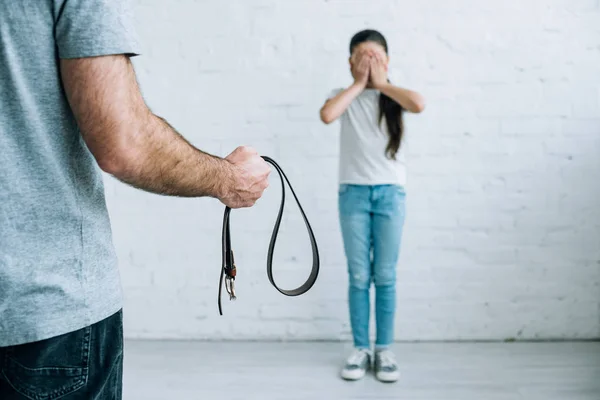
230, 287
230, 279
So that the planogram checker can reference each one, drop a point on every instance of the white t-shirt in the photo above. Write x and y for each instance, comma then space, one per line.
363, 159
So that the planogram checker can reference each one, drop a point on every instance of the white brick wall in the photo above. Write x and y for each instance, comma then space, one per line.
503, 231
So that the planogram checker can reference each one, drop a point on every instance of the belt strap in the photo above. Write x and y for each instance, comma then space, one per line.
229, 270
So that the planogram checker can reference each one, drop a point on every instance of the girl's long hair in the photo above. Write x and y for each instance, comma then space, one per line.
387, 107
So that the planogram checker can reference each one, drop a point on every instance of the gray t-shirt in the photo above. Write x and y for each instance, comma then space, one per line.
58, 269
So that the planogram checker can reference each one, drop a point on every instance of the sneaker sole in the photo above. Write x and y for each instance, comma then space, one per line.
353, 375
387, 377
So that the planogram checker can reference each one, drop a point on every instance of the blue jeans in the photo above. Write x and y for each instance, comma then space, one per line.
372, 219
86, 364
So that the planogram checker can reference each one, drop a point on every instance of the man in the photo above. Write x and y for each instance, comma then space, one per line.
69, 108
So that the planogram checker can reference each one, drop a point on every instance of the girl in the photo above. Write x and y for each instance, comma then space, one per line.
371, 196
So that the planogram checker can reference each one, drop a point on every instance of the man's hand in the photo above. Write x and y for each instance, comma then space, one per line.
249, 178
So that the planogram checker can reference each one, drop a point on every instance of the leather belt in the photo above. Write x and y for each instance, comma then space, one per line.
229, 270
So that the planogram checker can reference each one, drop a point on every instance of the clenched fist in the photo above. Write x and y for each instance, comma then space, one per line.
248, 179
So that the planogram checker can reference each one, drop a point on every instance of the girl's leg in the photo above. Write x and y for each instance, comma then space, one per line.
355, 221
388, 222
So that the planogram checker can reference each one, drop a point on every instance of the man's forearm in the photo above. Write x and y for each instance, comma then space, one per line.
409, 100
131, 143
128, 140
164, 162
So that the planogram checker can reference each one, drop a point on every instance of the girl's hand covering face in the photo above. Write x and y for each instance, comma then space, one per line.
361, 67
378, 71
370, 64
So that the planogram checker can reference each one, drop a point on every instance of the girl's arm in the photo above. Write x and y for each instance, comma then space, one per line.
408, 99
336, 106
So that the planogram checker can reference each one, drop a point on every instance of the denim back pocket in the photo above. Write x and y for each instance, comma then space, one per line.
49, 369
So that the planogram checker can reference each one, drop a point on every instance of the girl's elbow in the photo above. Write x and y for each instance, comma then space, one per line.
419, 107
326, 117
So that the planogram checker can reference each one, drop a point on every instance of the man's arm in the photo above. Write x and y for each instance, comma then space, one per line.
142, 149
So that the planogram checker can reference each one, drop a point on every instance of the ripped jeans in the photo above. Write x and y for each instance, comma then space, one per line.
372, 219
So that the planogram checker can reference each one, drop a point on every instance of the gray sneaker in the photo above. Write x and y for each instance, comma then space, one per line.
357, 365
386, 367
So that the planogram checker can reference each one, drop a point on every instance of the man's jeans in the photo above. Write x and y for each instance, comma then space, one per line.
372, 218
86, 364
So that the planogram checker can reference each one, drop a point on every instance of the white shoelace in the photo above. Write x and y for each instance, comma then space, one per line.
387, 359
357, 358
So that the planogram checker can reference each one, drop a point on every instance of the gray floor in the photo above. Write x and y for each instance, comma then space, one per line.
230, 371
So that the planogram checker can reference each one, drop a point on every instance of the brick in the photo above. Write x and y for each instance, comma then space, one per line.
528, 127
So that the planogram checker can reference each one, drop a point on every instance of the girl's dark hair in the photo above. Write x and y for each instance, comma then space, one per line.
387, 107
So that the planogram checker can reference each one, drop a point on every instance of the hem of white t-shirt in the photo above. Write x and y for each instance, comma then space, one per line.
372, 183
